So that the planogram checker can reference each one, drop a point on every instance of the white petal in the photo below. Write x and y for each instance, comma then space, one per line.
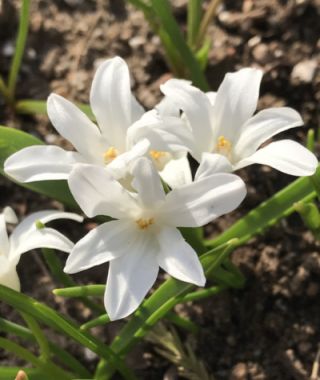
177, 172
23, 234
4, 240
263, 126
196, 107
9, 215
55, 163
147, 182
97, 193
178, 258
130, 278
212, 163
235, 102
76, 127
212, 97
286, 156
167, 107
166, 133
112, 102
120, 166
8, 274
199, 203
104, 243
42, 238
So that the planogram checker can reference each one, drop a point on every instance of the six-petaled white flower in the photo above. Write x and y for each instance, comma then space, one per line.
145, 236
27, 236
118, 138
223, 123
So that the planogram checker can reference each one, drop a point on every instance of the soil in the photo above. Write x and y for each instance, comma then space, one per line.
270, 328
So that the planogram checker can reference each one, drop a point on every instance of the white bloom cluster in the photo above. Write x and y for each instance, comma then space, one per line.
119, 165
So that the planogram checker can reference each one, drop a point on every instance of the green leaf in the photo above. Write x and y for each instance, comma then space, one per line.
54, 320
163, 10
268, 213
31, 107
19, 48
11, 141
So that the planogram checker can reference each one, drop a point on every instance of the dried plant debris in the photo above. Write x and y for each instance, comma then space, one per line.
169, 345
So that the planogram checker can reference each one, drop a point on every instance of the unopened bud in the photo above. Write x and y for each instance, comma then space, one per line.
21, 375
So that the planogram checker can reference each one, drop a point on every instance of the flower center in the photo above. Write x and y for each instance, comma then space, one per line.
143, 224
110, 154
160, 158
224, 146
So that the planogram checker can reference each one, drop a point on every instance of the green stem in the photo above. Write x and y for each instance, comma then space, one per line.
51, 318
268, 213
20, 46
9, 373
52, 371
182, 322
64, 357
81, 291
3, 89
39, 336
101, 320
207, 19
194, 19
200, 294
163, 10
55, 267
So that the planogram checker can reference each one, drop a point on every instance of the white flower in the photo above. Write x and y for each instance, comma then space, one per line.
108, 144
25, 237
223, 123
144, 237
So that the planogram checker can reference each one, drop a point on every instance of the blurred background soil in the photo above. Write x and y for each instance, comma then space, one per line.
270, 328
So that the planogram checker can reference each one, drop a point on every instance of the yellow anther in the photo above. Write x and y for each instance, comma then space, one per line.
144, 223
157, 154
110, 154
223, 146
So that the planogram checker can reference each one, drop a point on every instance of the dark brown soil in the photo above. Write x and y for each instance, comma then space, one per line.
270, 328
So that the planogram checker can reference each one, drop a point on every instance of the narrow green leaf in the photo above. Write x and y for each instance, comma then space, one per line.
11, 141
19, 49
163, 10
54, 320
194, 18
63, 356
31, 107
50, 369
268, 213
9, 373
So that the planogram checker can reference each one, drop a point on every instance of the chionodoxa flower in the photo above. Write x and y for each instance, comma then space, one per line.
120, 134
223, 123
144, 236
27, 236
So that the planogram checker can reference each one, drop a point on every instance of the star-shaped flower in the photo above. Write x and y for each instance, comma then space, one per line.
223, 123
117, 139
27, 236
144, 236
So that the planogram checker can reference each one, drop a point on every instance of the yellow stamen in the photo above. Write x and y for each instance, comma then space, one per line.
110, 154
223, 145
144, 223
157, 154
